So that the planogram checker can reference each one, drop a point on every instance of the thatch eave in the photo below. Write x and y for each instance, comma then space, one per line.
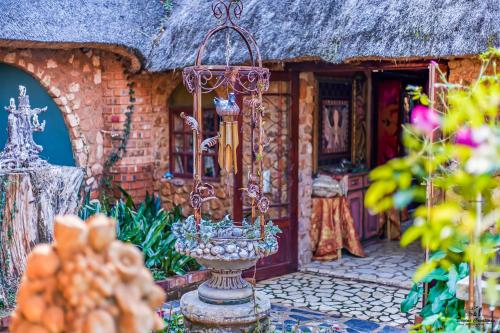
133, 58
334, 31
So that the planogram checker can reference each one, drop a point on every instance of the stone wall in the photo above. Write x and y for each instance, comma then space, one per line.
463, 70
307, 105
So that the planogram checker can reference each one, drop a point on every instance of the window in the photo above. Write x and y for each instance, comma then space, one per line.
181, 152
181, 136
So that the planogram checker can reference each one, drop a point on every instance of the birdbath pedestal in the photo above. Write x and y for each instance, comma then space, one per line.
226, 302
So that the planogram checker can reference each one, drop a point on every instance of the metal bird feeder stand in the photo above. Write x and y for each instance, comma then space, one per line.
249, 80
227, 302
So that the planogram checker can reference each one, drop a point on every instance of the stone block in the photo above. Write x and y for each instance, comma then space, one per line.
51, 63
74, 87
10, 58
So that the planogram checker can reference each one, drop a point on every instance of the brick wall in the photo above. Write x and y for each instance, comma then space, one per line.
91, 89
134, 172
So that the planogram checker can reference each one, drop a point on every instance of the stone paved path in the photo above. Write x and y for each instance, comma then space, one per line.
286, 319
339, 297
386, 263
289, 319
349, 296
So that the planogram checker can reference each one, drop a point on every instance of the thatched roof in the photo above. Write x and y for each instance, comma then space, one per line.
333, 31
124, 26
338, 30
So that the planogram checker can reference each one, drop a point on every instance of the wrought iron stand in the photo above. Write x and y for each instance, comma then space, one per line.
227, 302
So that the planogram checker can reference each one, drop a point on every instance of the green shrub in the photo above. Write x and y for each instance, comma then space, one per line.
442, 301
147, 226
451, 170
175, 324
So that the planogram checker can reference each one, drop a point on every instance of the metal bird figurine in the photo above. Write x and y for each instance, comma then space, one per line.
228, 110
191, 122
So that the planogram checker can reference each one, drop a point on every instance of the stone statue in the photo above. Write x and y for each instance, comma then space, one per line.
32, 193
21, 151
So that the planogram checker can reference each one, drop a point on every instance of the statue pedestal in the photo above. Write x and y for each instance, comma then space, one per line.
29, 201
247, 317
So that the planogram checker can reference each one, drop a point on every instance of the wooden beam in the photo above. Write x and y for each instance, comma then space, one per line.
294, 168
321, 67
369, 117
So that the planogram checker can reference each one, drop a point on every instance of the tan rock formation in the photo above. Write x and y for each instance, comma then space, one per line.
86, 282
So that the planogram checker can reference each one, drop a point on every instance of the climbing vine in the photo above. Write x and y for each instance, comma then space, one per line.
168, 5
118, 152
7, 289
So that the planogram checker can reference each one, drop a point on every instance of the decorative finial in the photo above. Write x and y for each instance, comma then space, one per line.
22, 91
227, 10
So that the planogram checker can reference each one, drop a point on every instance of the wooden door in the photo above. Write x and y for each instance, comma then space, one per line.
280, 171
388, 124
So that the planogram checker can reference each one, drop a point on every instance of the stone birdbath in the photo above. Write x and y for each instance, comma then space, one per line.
226, 302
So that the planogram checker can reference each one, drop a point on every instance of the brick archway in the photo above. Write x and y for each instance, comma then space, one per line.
72, 79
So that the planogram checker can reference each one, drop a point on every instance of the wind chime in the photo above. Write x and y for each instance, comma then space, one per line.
250, 81
228, 110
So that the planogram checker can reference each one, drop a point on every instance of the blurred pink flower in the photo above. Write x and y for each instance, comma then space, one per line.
425, 119
464, 136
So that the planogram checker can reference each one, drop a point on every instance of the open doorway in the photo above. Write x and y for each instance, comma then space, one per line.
385, 263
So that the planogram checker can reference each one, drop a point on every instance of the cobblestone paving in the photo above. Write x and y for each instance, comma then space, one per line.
346, 296
386, 263
339, 297
286, 319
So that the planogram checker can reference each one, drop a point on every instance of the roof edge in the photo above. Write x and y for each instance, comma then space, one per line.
133, 57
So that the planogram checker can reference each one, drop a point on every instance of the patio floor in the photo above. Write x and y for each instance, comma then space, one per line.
350, 295
386, 263
339, 298
299, 320
369, 289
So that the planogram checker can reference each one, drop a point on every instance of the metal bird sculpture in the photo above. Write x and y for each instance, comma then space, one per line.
191, 122
209, 143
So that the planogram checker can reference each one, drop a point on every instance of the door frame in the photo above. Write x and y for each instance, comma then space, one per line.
290, 266
377, 78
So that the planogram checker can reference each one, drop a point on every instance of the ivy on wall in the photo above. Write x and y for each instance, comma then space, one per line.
118, 152
7, 293
168, 5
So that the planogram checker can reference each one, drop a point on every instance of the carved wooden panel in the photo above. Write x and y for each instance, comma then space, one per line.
359, 123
